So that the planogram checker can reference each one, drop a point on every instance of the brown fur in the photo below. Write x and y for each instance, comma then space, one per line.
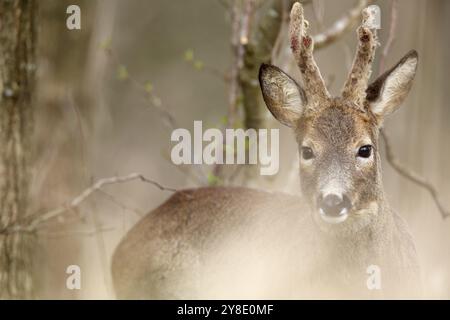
177, 251
337, 130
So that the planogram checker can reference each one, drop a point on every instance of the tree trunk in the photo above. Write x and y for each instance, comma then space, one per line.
17, 69
259, 49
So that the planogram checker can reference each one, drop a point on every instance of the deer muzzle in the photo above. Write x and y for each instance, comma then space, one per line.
334, 208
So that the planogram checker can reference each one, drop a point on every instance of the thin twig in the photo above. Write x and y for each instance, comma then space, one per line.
225, 4
391, 36
236, 65
38, 219
317, 8
246, 22
152, 99
87, 233
282, 34
341, 26
120, 204
219, 74
414, 177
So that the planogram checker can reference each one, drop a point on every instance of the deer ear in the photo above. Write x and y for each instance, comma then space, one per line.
387, 93
284, 98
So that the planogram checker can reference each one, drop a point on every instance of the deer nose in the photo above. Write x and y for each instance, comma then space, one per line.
333, 205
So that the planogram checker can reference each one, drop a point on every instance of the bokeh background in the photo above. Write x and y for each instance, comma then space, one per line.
93, 120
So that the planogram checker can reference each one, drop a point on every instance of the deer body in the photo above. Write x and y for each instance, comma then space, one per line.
243, 243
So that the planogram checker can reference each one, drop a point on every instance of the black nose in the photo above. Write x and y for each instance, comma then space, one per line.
333, 205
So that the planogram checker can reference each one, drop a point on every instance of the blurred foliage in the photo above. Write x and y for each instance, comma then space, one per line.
122, 72
189, 57
213, 180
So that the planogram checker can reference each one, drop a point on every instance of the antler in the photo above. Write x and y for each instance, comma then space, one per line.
302, 46
357, 81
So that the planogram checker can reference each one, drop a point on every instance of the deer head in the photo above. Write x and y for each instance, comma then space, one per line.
338, 136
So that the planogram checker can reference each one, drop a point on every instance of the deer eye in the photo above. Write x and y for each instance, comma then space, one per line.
365, 151
307, 153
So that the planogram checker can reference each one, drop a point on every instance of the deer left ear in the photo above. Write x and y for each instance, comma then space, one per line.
386, 94
284, 98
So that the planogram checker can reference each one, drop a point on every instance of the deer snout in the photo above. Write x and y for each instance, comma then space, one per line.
334, 208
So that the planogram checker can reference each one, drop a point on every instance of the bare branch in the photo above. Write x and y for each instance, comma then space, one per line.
414, 177
318, 11
37, 219
246, 22
151, 98
86, 233
225, 4
219, 74
153, 101
279, 43
341, 26
391, 37
120, 204
238, 53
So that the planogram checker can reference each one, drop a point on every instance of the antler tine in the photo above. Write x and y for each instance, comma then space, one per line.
357, 81
302, 46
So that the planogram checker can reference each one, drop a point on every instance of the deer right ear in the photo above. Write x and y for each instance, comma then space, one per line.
284, 98
387, 93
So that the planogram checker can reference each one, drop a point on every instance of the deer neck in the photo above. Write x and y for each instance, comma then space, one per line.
375, 233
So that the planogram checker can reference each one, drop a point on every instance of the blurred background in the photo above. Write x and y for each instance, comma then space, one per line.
103, 95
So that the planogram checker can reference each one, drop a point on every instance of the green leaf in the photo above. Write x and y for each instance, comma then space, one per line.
213, 180
122, 72
198, 65
106, 44
238, 124
224, 120
148, 87
189, 55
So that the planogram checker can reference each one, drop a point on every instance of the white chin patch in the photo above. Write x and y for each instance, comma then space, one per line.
334, 220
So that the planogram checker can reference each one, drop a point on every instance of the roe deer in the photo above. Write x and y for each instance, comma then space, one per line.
231, 242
